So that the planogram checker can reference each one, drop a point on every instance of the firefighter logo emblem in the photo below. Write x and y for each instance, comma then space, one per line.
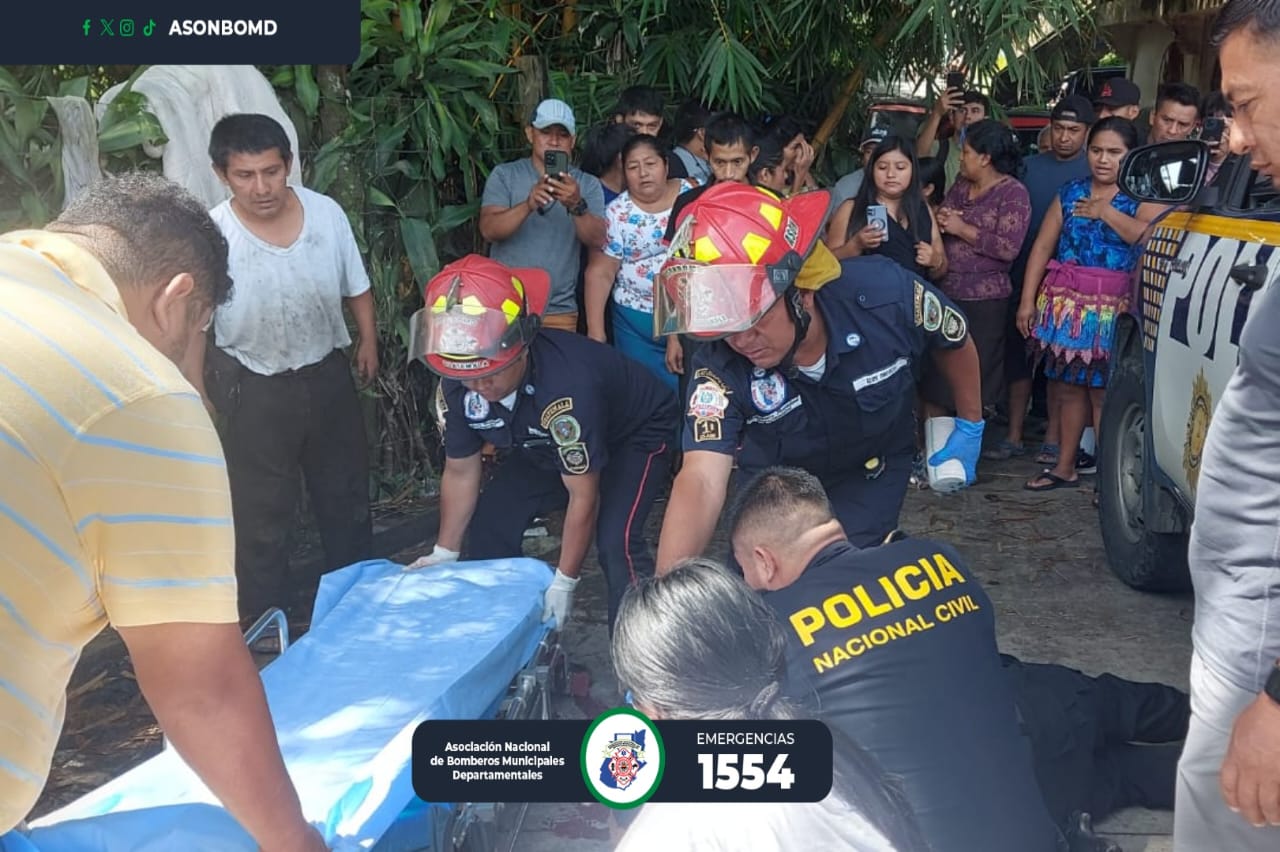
622, 758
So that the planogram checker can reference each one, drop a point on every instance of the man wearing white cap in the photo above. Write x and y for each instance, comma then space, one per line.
536, 217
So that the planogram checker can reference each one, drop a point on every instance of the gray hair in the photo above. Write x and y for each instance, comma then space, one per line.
698, 643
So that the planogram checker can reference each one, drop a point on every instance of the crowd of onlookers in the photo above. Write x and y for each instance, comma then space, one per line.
1036, 249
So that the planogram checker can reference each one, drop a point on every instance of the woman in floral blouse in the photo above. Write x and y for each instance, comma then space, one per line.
632, 255
983, 220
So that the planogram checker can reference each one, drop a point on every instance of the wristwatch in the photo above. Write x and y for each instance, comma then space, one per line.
1272, 688
579, 208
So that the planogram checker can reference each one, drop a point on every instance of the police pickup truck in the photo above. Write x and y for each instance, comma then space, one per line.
1204, 259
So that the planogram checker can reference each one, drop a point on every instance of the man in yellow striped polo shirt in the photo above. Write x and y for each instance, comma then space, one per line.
114, 505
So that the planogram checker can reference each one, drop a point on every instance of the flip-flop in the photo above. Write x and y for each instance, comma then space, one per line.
1055, 482
1048, 454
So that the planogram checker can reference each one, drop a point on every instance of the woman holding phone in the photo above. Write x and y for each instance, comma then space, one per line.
889, 215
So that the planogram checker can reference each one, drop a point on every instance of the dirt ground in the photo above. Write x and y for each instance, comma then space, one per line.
1039, 556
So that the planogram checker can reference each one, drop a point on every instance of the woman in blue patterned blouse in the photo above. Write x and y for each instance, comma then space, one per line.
1077, 284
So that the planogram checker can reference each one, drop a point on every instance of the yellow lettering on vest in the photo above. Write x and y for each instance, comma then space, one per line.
872, 608
894, 597
942, 612
933, 575
948, 571
897, 630
838, 655
841, 610
807, 622
823, 663
854, 646
914, 592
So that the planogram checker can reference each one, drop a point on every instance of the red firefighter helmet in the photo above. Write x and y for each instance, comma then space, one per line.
479, 315
736, 250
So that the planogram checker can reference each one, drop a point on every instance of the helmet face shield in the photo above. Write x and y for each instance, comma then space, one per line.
710, 300
467, 341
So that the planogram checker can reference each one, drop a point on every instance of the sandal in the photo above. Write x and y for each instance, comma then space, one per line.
1006, 449
1054, 482
1048, 454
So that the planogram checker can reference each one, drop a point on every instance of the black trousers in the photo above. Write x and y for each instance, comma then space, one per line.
1100, 743
519, 492
305, 423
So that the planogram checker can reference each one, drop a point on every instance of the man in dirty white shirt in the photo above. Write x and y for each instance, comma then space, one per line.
280, 376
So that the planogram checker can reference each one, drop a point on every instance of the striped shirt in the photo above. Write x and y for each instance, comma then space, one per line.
114, 503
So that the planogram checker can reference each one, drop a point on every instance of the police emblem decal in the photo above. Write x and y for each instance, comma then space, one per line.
566, 430
474, 406
932, 312
954, 326
622, 758
768, 393
1197, 428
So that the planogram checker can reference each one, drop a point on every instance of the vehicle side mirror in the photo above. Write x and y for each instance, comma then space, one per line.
1167, 173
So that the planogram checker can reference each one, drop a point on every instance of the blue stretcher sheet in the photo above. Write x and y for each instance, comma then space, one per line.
386, 650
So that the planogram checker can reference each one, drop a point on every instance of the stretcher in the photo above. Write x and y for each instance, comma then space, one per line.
386, 650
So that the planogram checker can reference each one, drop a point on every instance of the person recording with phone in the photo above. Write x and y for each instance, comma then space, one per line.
1213, 132
889, 215
536, 211
943, 132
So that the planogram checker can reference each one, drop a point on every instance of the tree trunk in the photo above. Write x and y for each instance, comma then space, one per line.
531, 84
347, 188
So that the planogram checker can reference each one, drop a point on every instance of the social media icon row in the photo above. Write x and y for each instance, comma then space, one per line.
123, 27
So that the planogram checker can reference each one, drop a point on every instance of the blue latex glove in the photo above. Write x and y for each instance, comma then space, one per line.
964, 444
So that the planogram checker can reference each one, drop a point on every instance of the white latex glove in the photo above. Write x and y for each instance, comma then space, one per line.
558, 600
438, 556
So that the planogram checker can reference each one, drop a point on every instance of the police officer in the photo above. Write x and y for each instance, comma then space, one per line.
571, 418
896, 645
822, 379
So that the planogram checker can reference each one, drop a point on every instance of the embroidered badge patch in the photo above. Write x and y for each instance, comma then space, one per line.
954, 326
919, 305
575, 459
932, 312
474, 406
768, 393
563, 405
566, 430
707, 406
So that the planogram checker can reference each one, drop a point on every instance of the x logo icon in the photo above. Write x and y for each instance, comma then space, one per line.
107, 26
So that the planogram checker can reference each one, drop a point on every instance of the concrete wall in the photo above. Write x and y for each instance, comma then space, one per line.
1156, 37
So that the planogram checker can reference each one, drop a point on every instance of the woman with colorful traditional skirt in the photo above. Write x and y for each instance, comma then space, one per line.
1073, 293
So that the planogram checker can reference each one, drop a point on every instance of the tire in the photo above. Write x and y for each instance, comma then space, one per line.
1145, 560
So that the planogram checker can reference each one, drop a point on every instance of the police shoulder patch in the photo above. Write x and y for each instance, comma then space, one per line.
954, 326
918, 314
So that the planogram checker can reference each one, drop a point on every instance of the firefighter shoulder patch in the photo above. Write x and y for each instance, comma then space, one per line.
575, 459
954, 326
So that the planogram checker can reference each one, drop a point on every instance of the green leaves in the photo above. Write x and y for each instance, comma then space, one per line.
729, 73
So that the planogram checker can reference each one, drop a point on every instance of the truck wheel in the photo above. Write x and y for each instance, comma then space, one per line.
1146, 560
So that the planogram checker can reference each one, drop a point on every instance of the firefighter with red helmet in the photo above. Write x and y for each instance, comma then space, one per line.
574, 421
811, 362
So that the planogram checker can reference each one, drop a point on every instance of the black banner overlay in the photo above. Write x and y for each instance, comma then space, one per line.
161, 32
544, 761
